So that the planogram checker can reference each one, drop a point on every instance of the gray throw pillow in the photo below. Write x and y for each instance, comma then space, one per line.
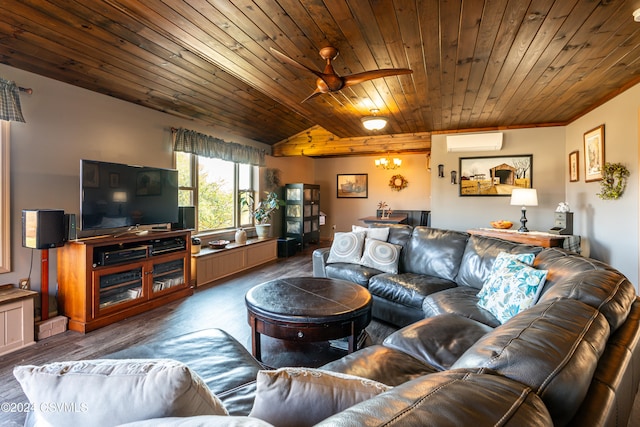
380, 255
111, 392
346, 247
299, 397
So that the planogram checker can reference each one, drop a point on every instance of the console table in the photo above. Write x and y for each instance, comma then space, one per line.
393, 219
536, 238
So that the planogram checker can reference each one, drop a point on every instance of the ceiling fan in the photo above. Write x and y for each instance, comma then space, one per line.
329, 81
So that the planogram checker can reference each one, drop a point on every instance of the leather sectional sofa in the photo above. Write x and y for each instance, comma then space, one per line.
570, 359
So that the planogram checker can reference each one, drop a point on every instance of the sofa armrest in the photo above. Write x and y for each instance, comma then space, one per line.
320, 257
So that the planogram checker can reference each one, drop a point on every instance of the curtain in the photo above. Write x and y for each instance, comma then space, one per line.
10, 109
194, 142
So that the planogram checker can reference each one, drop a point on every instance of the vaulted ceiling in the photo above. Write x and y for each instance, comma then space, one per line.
476, 64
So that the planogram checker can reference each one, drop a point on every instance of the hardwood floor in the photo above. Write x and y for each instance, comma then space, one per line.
219, 305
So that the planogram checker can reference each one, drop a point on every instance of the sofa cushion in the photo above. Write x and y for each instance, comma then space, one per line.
479, 255
346, 247
408, 289
229, 371
378, 233
382, 364
110, 392
200, 421
451, 398
299, 397
554, 348
512, 287
381, 255
461, 300
434, 252
438, 341
355, 273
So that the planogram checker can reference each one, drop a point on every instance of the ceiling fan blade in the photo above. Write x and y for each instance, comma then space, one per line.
284, 58
354, 79
313, 95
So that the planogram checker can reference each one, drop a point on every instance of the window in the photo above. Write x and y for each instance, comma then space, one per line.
5, 246
215, 186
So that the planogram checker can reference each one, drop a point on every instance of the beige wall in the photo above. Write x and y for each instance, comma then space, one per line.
611, 225
343, 212
451, 211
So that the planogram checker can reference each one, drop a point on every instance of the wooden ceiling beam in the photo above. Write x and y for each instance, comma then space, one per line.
318, 142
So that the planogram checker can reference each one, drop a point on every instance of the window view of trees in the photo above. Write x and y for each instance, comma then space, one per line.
214, 190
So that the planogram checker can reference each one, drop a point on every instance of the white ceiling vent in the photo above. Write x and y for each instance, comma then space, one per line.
475, 142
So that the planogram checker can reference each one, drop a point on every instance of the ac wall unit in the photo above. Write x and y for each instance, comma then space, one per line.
475, 142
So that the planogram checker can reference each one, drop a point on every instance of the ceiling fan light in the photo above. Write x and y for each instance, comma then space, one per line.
374, 122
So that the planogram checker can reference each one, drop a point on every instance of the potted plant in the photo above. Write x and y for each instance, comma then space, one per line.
262, 210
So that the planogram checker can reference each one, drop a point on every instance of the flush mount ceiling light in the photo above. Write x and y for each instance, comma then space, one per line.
636, 15
374, 122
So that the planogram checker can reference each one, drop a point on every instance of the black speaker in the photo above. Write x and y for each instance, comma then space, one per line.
42, 228
186, 218
70, 231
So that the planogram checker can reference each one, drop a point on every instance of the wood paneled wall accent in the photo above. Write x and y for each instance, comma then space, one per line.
318, 142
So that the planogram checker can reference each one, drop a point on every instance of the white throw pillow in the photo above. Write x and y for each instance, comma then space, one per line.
382, 256
111, 392
200, 421
299, 397
378, 233
346, 247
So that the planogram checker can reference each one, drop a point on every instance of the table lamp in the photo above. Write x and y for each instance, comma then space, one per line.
524, 197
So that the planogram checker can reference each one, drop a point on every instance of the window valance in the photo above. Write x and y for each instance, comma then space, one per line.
194, 142
10, 109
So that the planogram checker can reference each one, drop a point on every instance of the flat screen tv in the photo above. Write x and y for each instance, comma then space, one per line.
114, 195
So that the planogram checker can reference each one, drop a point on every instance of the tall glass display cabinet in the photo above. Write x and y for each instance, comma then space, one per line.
302, 213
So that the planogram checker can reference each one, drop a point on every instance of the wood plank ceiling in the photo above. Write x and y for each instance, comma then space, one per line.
476, 64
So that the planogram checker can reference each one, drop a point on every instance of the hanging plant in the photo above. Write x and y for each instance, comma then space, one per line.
614, 181
397, 182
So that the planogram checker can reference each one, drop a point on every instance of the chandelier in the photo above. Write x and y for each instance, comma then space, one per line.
374, 122
388, 163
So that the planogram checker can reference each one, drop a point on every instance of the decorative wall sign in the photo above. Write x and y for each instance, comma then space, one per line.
594, 154
495, 175
352, 186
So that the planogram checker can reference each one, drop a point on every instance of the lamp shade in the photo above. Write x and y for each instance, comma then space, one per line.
524, 197
374, 122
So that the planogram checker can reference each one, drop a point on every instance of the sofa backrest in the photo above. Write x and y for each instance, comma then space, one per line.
553, 347
590, 281
433, 252
479, 255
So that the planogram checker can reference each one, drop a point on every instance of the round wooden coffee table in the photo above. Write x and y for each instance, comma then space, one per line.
307, 309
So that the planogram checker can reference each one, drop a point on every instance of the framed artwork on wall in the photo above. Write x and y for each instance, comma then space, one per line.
495, 175
594, 154
574, 167
352, 186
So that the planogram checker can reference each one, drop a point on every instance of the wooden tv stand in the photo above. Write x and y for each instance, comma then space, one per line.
107, 279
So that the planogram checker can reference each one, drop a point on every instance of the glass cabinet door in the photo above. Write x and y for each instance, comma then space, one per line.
117, 287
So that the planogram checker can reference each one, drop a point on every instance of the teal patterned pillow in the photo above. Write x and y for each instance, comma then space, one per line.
501, 260
511, 288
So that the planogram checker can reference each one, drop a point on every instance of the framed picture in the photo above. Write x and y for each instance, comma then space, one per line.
91, 175
495, 175
149, 183
594, 154
574, 168
114, 180
353, 186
